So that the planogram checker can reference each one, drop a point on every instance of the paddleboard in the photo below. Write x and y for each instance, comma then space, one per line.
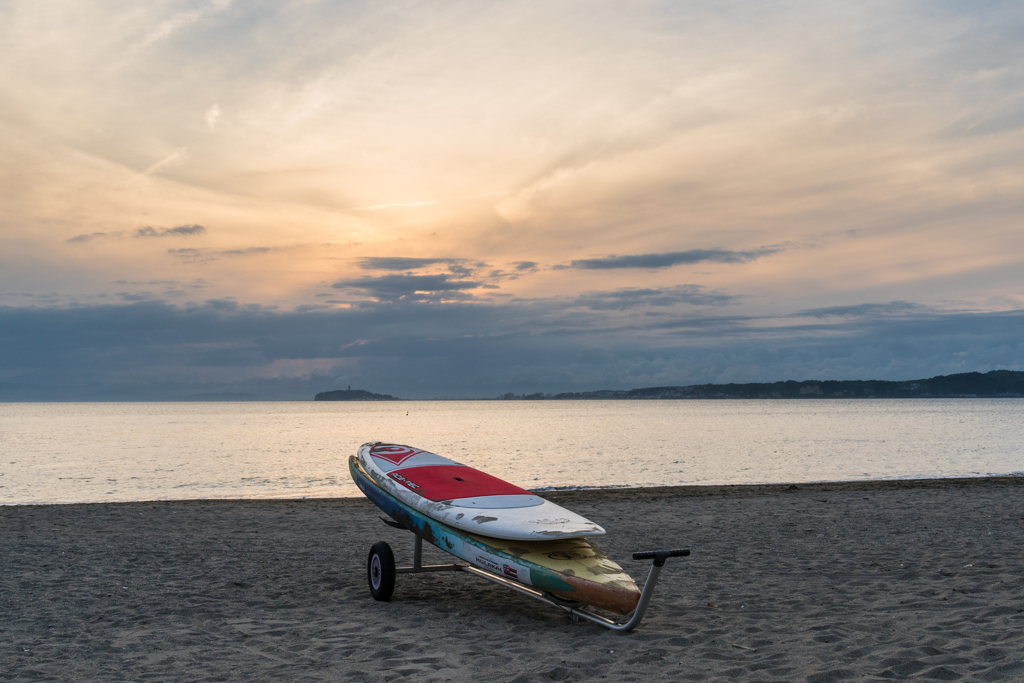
466, 498
570, 568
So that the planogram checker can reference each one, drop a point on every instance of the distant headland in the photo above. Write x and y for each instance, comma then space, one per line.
994, 384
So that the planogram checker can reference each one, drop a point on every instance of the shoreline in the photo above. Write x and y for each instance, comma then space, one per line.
698, 490
804, 398
617, 492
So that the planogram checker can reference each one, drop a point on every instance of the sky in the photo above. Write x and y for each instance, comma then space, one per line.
461, 199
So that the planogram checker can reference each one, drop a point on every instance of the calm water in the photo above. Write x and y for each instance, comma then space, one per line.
83, 452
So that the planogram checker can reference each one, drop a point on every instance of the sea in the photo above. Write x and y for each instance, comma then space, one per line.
109, 452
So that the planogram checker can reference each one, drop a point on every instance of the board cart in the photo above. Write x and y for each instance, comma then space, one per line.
528, 568
382, 573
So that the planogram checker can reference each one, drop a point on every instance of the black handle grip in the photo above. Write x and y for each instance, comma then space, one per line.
659, 556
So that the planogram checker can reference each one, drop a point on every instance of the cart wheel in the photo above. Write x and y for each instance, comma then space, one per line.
380, 571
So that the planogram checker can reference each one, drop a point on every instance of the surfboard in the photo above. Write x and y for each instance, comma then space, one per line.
570, 568
466, 498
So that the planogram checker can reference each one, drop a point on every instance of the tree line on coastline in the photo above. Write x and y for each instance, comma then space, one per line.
994, 384
998, 383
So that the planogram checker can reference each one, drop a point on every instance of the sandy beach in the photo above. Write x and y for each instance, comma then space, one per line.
818, 583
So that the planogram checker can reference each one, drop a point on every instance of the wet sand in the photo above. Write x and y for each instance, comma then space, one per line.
828, 582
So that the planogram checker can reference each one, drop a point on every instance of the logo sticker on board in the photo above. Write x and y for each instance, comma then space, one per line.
394, 454
402, 480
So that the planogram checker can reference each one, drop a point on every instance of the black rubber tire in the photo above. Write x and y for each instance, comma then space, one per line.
380, 571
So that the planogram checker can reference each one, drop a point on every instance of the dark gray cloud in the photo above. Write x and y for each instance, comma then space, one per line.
395, 287
630, 297
176, 286
78, 239
153, 350
526, 265
146, 282
180, 231
673, 258
248, 251
401, 262
863, 310
191, 254
460, 268
205, 255
136, 296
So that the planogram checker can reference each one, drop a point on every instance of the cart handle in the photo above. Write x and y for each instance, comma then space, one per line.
659, 556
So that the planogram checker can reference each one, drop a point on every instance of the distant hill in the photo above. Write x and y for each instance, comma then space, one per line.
995, 384
353, 395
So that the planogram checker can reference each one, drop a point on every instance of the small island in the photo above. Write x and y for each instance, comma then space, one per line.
351, 394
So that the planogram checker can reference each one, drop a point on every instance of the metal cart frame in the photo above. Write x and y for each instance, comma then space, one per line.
575, 610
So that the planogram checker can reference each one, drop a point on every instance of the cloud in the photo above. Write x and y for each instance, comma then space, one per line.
178, 21
395, 287
631, 297
152, 349
397, 205
136, 296
191, 254
207, 255
247, 251
170, 160
518, 207
673, 258
459, 270
197, 283
635, 129
893, 308
180, 231
78, 239
228, 304
459, 267
212, 116
401, 262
